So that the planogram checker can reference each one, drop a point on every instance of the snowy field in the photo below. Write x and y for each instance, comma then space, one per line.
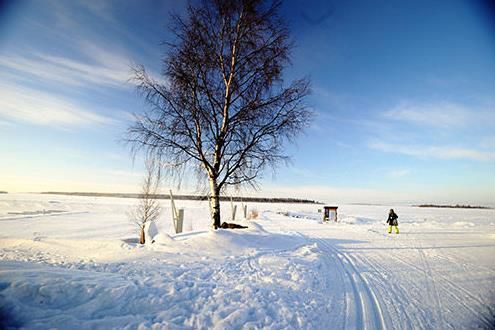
73, 262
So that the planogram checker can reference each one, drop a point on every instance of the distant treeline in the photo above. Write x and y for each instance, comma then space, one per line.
3, 192
457, 206
190, 197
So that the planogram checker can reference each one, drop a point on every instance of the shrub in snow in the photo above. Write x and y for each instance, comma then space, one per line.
148, 208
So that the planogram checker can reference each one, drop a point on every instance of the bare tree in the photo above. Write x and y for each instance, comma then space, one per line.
223, 109
148, 208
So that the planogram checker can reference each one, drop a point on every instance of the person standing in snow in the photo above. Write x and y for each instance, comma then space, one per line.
392, 221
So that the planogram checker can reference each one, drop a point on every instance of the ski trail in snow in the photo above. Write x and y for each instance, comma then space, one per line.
40, 215
458, 293
438, 287
365, 305
431, 287
392, 296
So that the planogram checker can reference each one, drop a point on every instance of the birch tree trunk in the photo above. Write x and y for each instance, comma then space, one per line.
215, 203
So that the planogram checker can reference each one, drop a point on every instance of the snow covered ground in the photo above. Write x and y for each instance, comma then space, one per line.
72, 262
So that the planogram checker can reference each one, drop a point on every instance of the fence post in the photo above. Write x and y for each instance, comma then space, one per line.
179, 221
234, 210
172, 207
177, 216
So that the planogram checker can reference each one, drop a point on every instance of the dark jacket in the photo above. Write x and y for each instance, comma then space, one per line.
392, 219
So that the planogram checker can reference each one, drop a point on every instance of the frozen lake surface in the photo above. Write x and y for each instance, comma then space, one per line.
73, 262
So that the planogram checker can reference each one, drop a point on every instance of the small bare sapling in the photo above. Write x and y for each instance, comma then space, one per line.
148, 208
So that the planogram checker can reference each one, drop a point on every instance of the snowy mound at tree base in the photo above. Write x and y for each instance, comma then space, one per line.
221, 242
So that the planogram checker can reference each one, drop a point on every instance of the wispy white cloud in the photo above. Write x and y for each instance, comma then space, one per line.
67, 17
441, 114
330, 97
101, 9
343, 144
100, 61
107, 69
439, 152
37, 107
97, 67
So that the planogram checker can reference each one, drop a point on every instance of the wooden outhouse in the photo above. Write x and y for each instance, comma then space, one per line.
330, 213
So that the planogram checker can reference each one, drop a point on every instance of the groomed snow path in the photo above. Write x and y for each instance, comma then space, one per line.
427, 277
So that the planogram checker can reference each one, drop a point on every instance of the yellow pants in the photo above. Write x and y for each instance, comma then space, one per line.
390, 229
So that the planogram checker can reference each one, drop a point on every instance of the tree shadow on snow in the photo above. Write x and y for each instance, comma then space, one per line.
133, 240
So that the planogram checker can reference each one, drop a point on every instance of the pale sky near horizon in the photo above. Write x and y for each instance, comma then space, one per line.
404, 93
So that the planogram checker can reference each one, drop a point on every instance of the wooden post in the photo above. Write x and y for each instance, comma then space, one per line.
177, 216
234, 210
179, 221
172, 206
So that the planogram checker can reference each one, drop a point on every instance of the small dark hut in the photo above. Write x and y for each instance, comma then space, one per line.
330, 213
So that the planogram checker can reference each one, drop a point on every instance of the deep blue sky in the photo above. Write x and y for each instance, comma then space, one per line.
404, 93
